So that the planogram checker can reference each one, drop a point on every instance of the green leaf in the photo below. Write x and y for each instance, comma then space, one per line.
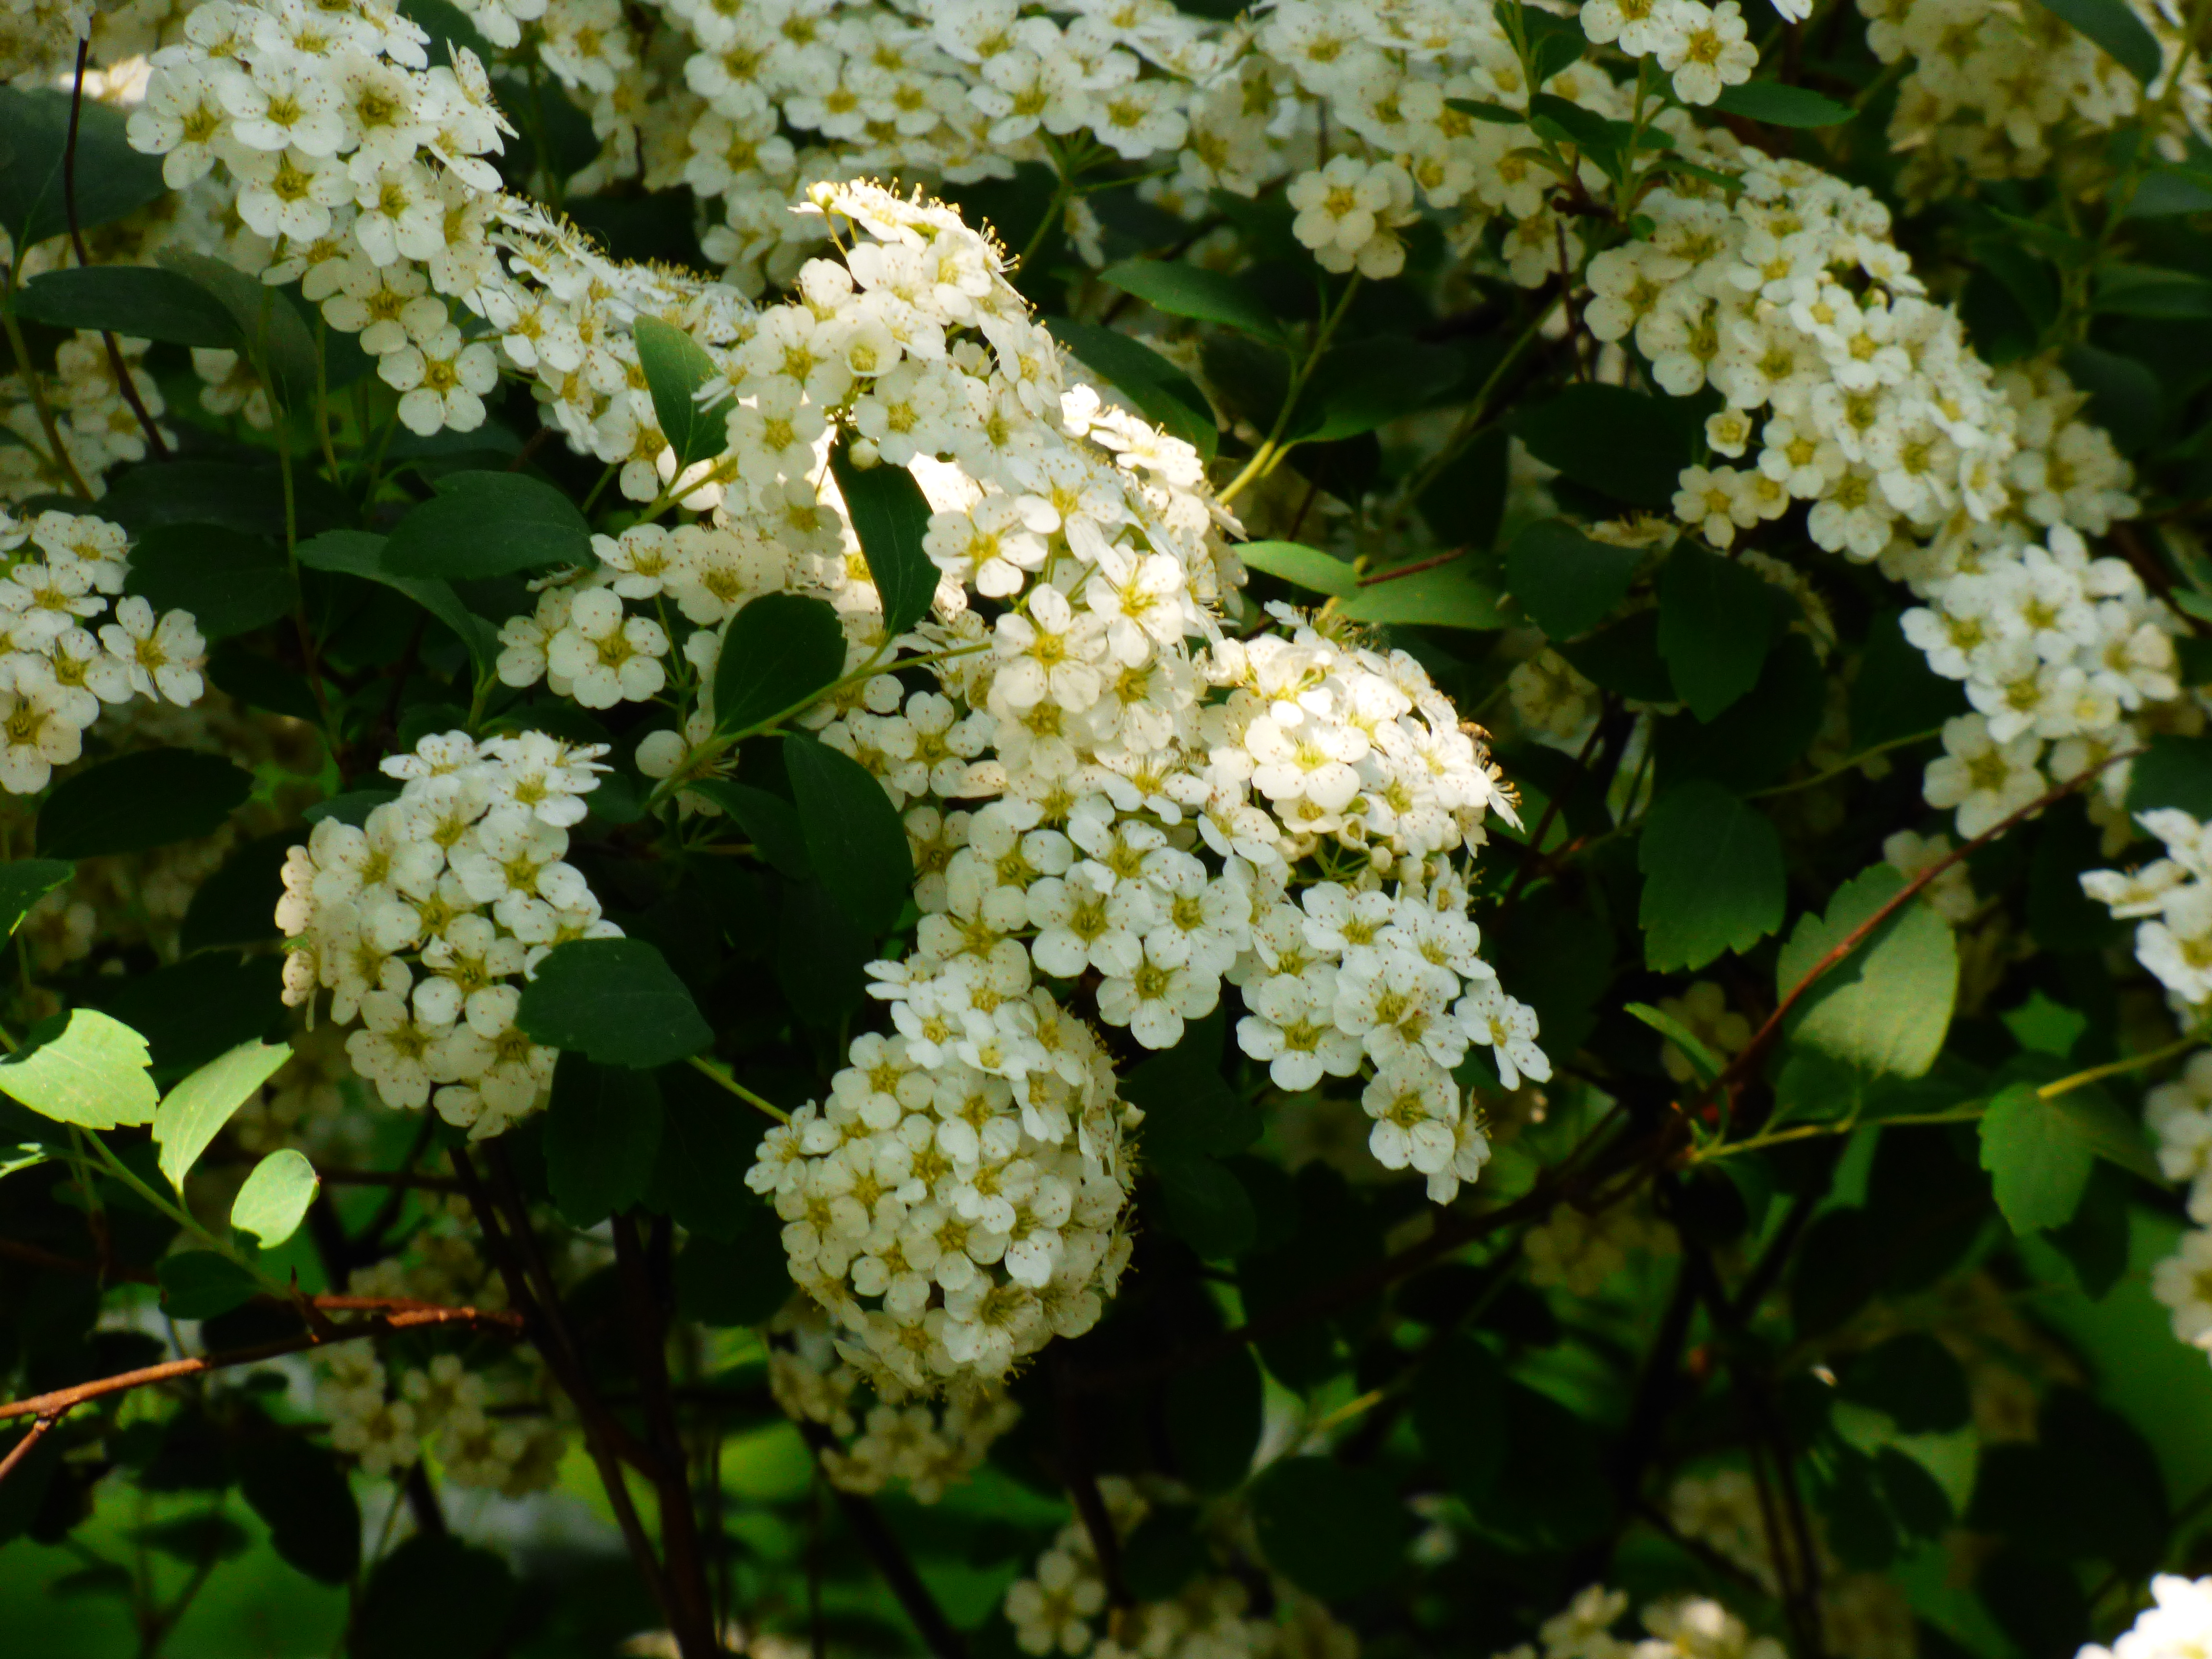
1703, 1060
1712, 876
1778, 105
781, 650
1569, 123
302, 1495
1624, 657
743, 1280
268, 327
1183, 290
1446, 597
1213, 1414
1567, 582
245, 496
1459, 1399
1716, 621
708, 1141
2145, 291
193, 1112
1497, 114
676, 366
1896, 693
2177, 772
2109, 1131
2037, 1163
854, 835
111, 178
1886, 1007
200, 1284
237, 905
25, 881
274, 1199
1625, 445
1163, 393
771, 821
149, 797
92, 1075
488, 523
435, 1597
232, 584
360, 553
614, 1000
1307, 567
890, 515
601, 1133
1205, 1205
2113, 26
1332, 1530
1382, 378
137, 302
1913, 1379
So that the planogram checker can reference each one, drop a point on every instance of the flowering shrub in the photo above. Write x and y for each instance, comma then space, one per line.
1151, 831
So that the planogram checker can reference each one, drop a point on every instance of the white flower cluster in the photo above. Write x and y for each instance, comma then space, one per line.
1680, 1627
94, 425
444, 1406
1060, 1609
925, 1445
1988, 88
1578, 1252
59, 573
1702, 48
2178, 1625
422, 920
2178, 1115
2171, 898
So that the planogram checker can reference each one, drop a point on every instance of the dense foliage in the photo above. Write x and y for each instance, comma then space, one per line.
883, 826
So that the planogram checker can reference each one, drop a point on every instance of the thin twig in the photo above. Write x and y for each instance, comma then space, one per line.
891, 1560
31, 1435
123, 382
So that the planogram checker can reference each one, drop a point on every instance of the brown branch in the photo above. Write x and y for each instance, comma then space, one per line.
1417, 565
418, 1316
31, 1435
123, 381
889, 1558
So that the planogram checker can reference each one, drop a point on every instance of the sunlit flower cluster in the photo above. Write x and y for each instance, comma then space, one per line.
2177, 1624
422, 920
60, 664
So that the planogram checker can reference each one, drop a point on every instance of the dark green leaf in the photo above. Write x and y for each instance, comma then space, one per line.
300, 1492
1761, 735
1712, 876
1368, 384
1459, 1399
147, 799
194, 1538
1624, 657
2112, 24
2124, 397
890, 515
602, 1135
112, 178
2145, 291
268, 324
1887, 1005
741, 1280
1213, 1418
1331, 1530
1446, 597
1307, 567
193, 1010
1914, 1380
613, 1000
1163, 393
237, 905
771, 821
854, 835
708, 1141
25, 881
352, 808
1779, 105
1625, 445
780, 650
1570, 123
2176, 772
1715, 624
1204, 1204
821, 955
199, 1284
235, 494
488, 523
1897, 694
140, 301
435, 1597
359, 553
232, 584
1183, 290
1497, 114
676, 366
1564, 581
1164, 1554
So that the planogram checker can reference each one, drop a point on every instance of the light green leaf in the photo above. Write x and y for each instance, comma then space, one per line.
1778, 105
890, 515
1886, 1005
676, 366
488, 523
1712, 876
1183, 290
274, 1199
197, 1108
780, 650
1308, 567
25, 881
92, 1075
2039, 1162
1446, 597
854, 835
